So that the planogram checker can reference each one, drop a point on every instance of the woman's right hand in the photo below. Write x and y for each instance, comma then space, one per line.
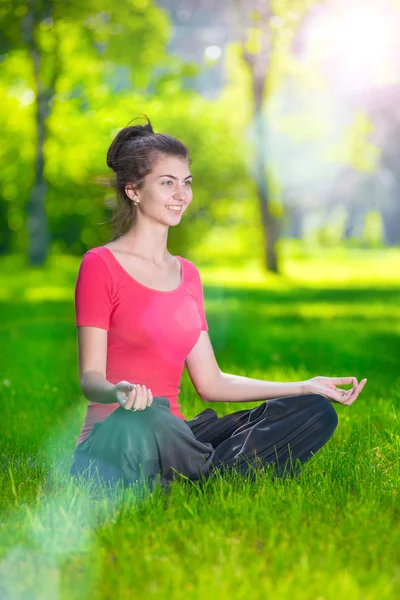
132, 396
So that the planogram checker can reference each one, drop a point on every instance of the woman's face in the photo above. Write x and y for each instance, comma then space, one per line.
168, 184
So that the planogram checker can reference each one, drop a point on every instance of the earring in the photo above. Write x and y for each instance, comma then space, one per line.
135, 202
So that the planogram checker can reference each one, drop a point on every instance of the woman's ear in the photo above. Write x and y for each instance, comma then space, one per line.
131, 192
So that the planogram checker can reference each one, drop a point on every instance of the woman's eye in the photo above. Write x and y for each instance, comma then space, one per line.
188, 183
169, 181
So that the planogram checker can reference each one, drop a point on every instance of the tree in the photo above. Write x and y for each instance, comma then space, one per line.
256, 44
127, 32
267, 31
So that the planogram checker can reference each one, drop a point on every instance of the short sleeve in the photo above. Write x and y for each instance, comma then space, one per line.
93, 292
200, 302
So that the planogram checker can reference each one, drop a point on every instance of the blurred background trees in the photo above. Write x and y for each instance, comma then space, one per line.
290, 110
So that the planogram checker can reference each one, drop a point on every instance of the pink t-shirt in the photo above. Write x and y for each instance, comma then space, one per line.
150, 332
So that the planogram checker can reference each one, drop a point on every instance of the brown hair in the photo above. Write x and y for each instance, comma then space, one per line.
131, 156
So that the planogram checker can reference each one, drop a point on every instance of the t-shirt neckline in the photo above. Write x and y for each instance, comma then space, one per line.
145, 286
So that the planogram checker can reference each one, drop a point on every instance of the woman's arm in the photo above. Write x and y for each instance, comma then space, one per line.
96, 388
92, 357
234, 388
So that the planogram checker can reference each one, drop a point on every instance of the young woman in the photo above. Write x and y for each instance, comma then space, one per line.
140, 319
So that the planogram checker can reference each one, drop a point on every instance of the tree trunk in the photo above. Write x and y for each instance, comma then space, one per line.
271, 225
38, 234
258, 64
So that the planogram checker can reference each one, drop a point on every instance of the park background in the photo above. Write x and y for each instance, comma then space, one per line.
291, 112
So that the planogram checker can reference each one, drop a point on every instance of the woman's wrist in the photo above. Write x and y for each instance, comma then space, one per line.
97, 389
304, 387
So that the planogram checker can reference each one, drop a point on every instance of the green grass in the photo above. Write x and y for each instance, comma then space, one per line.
333, 533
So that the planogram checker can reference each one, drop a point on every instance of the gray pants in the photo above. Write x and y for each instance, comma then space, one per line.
153, 444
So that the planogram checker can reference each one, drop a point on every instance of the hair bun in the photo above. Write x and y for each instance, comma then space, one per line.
126, 134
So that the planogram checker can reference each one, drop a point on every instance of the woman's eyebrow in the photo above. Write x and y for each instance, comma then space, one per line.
173, 176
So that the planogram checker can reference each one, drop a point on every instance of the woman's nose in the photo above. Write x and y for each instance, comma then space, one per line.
180, 192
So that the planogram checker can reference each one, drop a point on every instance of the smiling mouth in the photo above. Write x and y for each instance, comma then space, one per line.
175, 210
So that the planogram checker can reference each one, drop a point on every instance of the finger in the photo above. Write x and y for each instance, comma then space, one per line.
344, 380
144, 397
131, 397
136, 403
121, 399
338, 395
351, 397
123, 394
140, 398
149, 398
351, 400
346, 395
356, 393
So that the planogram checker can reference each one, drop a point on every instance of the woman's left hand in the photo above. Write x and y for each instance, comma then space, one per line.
327, 387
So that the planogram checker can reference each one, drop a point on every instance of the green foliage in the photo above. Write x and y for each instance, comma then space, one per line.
111, 68
108, 63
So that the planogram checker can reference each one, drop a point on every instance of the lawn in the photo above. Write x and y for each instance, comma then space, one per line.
333, 533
